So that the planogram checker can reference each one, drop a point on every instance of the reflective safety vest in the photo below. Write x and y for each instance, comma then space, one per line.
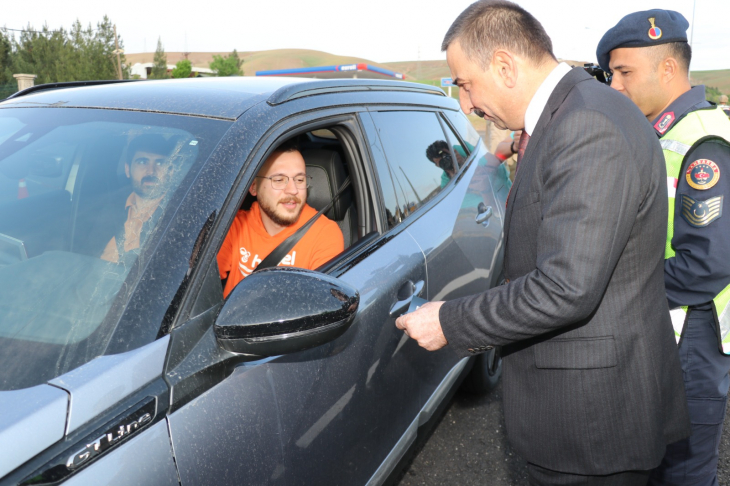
697, 127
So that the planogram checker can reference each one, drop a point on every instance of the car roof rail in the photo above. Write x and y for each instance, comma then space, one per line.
67, 84
311, 88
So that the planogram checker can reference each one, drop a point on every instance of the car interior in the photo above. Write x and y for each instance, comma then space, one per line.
329, 165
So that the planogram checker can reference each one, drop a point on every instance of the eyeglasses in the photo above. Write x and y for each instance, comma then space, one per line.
279, 182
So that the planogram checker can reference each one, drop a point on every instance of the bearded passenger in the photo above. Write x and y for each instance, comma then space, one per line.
280, 209
149, 167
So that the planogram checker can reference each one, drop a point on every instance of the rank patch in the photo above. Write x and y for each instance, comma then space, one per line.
664, 122
701, 213
702, 174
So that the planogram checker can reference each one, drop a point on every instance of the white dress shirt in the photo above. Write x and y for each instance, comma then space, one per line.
538, 102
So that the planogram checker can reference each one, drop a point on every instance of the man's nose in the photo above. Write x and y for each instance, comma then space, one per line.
291, 187
465, 102
617, 84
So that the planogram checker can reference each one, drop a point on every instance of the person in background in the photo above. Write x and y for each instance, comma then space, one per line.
149, 167
649, 58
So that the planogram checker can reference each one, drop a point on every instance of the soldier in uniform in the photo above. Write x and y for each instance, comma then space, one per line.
648, 56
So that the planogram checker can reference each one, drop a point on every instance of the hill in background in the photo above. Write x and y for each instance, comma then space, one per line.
261, 60
429, 72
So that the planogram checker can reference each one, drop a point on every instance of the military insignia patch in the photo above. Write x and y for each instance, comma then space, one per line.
701, 213
655, 33
702, 174
664, 122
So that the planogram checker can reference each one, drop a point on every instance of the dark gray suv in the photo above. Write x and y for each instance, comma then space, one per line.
140, 372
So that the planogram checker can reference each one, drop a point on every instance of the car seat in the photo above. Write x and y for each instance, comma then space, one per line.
328, 173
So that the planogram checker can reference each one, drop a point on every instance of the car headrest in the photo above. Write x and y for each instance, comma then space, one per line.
328, 173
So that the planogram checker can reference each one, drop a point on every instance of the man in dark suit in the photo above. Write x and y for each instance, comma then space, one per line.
593, 389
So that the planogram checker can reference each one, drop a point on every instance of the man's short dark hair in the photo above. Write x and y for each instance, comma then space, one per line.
154, 144
437, 150
291, 145
488, 25
681, 51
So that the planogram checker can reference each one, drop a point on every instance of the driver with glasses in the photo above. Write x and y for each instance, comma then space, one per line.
280, 209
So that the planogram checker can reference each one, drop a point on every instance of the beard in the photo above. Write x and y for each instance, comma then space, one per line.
148, 192
281, 216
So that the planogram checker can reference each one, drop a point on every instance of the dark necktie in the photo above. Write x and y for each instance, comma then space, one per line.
524, 138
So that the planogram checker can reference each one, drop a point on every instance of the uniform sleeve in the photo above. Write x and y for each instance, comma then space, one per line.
329, 243
700, 268
225, 255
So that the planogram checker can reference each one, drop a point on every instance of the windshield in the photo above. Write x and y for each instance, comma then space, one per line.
81, 193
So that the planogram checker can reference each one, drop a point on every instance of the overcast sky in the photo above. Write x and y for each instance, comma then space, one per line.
379, 30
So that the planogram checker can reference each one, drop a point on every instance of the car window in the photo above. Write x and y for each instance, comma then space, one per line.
498, 172
461, 153
419, 158
81, 192
465, 129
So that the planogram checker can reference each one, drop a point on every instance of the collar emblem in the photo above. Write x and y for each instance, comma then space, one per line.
655, 32
664, 122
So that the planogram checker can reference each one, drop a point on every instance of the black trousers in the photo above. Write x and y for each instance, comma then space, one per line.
693, 461
539, 476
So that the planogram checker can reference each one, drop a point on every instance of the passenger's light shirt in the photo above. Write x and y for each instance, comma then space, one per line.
139, 211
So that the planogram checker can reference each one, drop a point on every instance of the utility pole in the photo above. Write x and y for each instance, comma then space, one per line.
692, 35
118, 52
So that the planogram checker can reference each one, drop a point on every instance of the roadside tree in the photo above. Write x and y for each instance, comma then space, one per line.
227, 66
159, 70
182, 69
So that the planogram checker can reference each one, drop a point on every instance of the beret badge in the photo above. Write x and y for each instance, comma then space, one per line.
655, 32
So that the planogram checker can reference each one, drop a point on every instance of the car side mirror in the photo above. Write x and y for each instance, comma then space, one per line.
283, 310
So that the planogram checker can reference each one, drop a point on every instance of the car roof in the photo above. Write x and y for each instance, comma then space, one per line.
213, 97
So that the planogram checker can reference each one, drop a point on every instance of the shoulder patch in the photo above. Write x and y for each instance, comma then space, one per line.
702, 174
700, 213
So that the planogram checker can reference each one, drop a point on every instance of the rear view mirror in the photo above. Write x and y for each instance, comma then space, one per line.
283, 310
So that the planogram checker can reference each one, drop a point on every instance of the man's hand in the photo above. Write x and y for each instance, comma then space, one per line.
424, 326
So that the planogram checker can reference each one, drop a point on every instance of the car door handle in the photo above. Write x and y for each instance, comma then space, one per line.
405, 295
484, 212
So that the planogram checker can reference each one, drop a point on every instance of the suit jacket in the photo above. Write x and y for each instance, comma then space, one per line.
592, 380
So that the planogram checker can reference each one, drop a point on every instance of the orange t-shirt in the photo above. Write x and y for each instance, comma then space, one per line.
248, 243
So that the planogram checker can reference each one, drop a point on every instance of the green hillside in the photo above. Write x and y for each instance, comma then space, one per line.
719, 79
420, 71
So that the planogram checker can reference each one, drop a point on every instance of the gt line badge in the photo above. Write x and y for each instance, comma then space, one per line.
702, 174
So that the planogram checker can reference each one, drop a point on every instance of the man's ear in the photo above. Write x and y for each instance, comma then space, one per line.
504, 65
669, 69
253, 190
126, 170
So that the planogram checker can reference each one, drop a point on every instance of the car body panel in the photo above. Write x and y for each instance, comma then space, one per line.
224, 98
31, 420
347, 396
106, 380
143, 460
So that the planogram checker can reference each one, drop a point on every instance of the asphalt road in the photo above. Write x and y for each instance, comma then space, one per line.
469, 447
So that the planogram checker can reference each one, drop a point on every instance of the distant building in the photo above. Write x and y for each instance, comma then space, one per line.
144, 69
362, 71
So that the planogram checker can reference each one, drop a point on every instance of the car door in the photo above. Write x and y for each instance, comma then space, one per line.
452, 213
328, 415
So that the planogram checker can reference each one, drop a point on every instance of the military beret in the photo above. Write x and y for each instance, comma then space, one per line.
642, 29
